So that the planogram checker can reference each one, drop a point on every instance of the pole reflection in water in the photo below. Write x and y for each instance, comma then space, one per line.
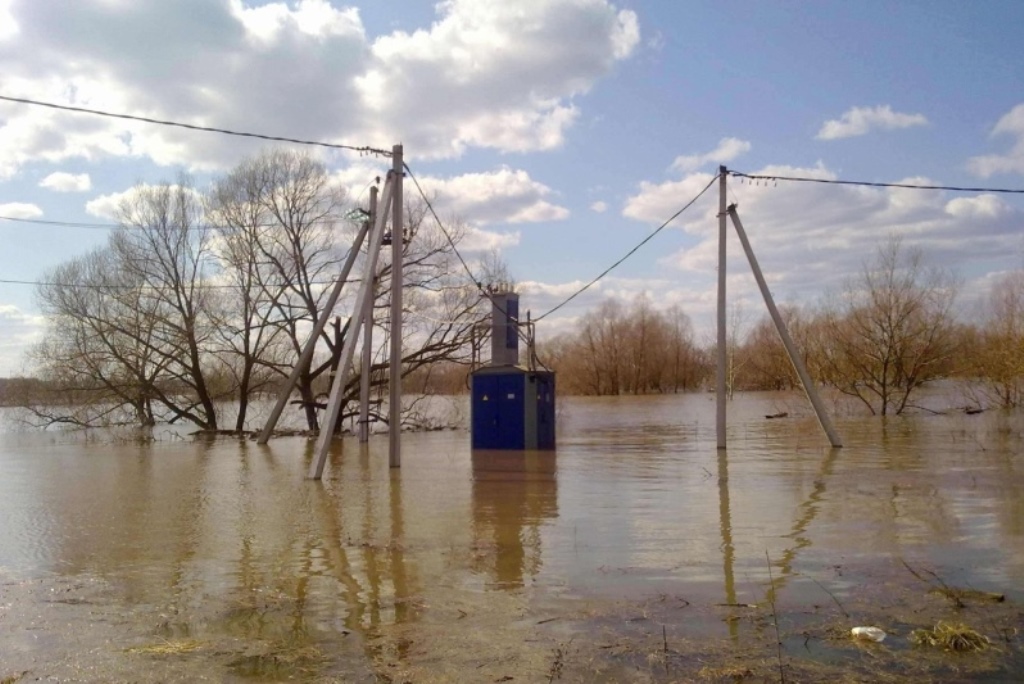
514, 492
405, 609
468, 566
728, 552
364, 530
806, 512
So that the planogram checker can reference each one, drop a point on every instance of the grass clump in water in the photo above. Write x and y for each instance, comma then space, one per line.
951, 637
167, 647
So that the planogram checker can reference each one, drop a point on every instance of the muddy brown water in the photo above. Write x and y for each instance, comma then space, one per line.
635, 552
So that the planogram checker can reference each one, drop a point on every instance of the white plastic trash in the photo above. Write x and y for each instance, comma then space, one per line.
868, 633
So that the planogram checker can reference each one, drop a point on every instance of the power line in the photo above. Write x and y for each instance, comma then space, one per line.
62, 224
465, 266
141, 286
869, 184
195, 127
447, 235
112, 226
628, 254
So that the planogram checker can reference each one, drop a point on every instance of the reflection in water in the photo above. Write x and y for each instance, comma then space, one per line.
228, 543
725, 521
514, 492
806, 512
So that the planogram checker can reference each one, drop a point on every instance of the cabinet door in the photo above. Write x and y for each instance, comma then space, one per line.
511, 419
486, 390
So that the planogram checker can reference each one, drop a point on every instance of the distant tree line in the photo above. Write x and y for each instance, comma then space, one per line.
204, 299
889, 331
637, 349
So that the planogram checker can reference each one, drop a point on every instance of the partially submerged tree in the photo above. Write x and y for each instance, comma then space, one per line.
129, 323
891, 331
164, 245
634, 350
766, 364
997, 358
97, 360
196, 300
279, 217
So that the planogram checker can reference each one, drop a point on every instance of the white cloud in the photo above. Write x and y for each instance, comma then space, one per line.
108, 206
600, 206
1011, 124
478, 240
105, 206
808, 238
694, 299
502, 196
357, 179
8, 25
266, 24
862, 120
491, 73
20, 210
67, 182
655, 202
979, 207
727, 150
18, 332
496, 74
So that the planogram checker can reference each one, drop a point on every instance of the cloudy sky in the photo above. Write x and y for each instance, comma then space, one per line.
562, 131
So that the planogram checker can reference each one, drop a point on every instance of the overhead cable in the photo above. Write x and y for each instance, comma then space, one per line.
143, 286
479, 286
62, 224
447, 235
196, 127
870, 184
628, 254
203, 226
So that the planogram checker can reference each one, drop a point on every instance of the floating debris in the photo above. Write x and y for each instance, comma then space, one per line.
868, 633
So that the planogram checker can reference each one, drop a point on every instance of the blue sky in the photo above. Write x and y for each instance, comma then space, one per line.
561, 131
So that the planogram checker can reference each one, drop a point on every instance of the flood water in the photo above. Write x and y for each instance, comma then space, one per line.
635, 552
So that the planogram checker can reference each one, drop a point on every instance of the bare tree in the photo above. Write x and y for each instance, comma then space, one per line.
163, 243
767, 365
97, 360
281, 215
128, 324
175, 314
736, 360
638, 350
443, 306
684, 360
250, 329
891, 331
998, 350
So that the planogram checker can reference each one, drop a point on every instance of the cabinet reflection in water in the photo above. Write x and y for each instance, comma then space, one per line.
514, 493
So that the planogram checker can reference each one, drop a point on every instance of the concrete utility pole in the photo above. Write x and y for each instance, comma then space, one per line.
397, 251
307, 352
330, 417
787, 341
722, 352
367, 365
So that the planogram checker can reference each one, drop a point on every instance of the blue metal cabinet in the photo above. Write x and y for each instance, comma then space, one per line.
498, 411
545, 410
513, 408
